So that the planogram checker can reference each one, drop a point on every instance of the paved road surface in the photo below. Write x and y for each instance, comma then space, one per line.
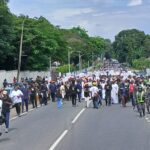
109, 128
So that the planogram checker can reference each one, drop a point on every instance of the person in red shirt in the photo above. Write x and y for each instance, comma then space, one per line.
131, 93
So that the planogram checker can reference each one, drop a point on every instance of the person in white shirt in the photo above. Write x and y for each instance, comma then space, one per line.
16, 97
1, 120
94, 95
1, 103
114, 92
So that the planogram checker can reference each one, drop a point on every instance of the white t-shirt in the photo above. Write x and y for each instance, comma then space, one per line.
94, 90
1, 103
16, 96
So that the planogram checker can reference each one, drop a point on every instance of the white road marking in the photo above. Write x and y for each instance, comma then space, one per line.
58, 140
78, 115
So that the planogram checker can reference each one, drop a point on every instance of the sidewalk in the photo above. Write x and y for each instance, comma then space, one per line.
13, 114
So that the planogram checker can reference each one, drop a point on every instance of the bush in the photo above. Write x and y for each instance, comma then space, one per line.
65, 68
141, 63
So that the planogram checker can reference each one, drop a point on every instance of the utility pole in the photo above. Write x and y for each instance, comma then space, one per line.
50, 66
20, 52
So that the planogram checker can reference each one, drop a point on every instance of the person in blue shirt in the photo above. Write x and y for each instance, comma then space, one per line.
53, 89
25, 98
79, 90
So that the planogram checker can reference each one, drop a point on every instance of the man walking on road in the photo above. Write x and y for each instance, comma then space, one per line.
140, 97
73, 92
94, 94
52, 89
108, 88
79, 90
25, 98
147, 98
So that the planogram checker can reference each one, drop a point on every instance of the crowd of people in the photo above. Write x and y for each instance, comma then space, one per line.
108, 89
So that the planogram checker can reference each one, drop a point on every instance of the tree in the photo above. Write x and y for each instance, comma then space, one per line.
147, 46
6, 35
128, 45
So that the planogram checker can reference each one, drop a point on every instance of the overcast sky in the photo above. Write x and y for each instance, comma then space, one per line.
103, 18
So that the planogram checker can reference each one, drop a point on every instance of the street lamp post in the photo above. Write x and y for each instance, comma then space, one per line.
20, 52
79, 60
69, 60
69, 56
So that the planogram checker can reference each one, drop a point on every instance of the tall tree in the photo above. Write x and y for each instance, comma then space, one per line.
6, 35
128, 45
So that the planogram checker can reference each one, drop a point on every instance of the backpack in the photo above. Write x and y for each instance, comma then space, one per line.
73, 89
58, 93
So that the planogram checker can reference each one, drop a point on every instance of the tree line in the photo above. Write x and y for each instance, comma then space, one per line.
43, 40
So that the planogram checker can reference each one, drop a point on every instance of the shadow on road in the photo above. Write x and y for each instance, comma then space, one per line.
4, 139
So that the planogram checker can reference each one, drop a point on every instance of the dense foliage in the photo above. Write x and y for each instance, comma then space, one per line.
130, 45
141, 64
42, 41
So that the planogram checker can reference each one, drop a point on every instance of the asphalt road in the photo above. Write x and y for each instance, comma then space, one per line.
108, 128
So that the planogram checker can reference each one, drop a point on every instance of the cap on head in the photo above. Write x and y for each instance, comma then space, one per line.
94, 83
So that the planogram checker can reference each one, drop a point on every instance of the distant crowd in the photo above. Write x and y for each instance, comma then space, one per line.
104, 88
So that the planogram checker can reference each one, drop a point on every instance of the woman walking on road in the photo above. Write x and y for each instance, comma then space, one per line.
6, 109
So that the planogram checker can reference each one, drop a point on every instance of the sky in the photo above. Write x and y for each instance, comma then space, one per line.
105, 18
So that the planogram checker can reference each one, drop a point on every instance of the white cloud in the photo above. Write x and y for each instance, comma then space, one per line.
63, 14
135, 2
108, 24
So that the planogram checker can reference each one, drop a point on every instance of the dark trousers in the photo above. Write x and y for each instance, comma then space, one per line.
79, 96
141, 107
53, 97
25, 102
132, 99
73, 98
148, 105
6, 115
108, 99
44, 100
123, 101
95, 102
67, 96
100, 100
33, 101
18, 109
